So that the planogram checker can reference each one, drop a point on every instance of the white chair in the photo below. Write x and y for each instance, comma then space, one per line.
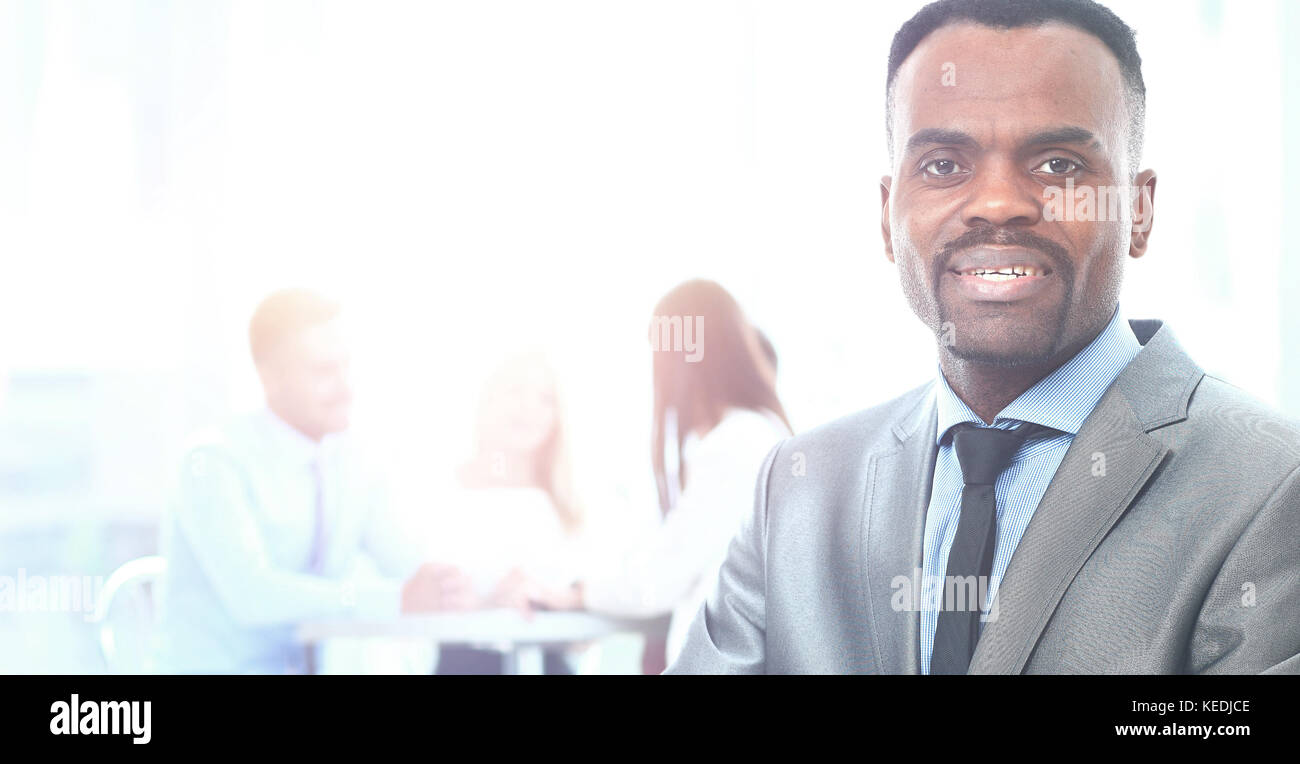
125, 615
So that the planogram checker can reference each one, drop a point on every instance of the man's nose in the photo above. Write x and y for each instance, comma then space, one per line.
1002, 194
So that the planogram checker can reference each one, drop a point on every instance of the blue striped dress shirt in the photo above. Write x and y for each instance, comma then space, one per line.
1061, 400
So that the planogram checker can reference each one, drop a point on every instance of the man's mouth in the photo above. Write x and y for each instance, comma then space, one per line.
1001, 274
1004, 273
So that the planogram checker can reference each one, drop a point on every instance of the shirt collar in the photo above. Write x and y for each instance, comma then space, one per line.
1061, 400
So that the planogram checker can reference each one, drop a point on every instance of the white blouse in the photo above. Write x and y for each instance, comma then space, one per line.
673, 569
487, 531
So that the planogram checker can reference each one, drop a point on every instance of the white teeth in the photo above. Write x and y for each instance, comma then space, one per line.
1002, 274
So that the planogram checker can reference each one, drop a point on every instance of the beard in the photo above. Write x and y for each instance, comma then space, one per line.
1005, 341
992, 333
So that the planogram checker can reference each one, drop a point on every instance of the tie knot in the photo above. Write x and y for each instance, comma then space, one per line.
984, 452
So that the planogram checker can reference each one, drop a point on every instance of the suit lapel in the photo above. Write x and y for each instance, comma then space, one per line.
1108, 463
1075, 514
897, 495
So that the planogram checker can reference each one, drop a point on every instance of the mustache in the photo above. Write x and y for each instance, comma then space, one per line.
1004, 237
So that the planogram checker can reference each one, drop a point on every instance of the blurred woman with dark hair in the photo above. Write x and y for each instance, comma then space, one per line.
716, 415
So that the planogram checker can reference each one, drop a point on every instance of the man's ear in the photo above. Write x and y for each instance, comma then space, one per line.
885, 183
1144, 211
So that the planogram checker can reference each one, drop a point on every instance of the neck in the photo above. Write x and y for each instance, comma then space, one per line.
308, 432
989, 388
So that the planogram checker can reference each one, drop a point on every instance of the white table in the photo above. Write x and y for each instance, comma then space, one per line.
521, 640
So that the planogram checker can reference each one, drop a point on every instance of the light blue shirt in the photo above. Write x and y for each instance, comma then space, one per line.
239, 541
1061, 400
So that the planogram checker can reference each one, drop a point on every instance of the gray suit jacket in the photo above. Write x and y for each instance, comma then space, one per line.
1182, 555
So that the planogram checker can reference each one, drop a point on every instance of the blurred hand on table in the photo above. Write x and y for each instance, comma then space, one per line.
526, 594
438, 587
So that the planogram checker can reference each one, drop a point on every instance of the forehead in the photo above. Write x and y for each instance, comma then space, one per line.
997, 84
319, 343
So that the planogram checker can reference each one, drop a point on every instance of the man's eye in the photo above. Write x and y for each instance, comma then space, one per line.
942, 167
1057, 166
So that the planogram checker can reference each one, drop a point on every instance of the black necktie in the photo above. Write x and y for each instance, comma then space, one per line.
984, 452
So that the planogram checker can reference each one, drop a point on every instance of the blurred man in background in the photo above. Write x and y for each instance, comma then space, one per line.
274, 510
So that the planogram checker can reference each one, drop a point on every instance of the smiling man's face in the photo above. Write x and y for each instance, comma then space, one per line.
984, 120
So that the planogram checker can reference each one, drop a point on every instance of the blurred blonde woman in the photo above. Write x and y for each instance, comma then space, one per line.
716, 415
511, 513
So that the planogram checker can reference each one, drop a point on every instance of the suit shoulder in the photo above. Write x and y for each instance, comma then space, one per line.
863, 430
1241, 422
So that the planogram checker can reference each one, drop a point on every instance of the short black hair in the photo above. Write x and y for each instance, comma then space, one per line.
1085, 15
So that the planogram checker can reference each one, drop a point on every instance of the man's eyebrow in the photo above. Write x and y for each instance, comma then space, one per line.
1069, 134
939, 135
